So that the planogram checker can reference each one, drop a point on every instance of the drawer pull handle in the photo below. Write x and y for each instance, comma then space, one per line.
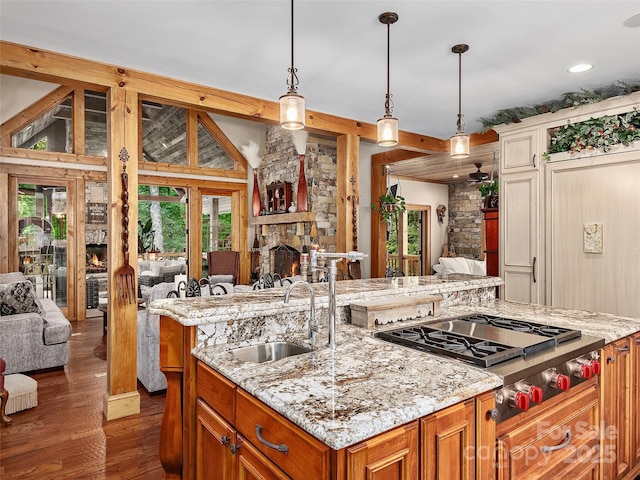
623, 349
224, 439
564, 444
281, 448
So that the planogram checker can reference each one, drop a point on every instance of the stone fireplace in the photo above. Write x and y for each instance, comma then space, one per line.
316, 227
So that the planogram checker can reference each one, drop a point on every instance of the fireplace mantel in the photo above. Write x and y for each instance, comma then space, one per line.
280, 218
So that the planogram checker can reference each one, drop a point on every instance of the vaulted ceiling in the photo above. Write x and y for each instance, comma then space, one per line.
519, 52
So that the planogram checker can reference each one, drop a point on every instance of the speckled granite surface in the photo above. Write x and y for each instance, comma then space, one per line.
222, 308
368, 386
365, 386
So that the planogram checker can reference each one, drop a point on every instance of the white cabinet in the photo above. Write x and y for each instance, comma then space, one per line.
520, 216
519, 151
551, 203
520, 238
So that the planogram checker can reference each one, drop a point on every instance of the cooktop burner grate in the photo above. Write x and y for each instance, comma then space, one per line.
558, 333
483, 353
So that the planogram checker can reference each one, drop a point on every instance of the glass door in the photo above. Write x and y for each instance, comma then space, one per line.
217, 226
42, 238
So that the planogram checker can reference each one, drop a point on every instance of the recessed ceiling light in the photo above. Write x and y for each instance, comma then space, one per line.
633, 21
456, 176
581, 67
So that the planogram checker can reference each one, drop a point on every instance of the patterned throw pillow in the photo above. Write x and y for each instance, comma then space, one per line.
18, 297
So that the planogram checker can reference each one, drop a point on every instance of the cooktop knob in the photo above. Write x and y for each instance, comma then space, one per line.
595, 367
520, 400
557, 380
581, 370
536, 394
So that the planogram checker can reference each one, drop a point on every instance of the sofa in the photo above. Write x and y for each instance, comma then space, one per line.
149, 373
34, 334
447, 265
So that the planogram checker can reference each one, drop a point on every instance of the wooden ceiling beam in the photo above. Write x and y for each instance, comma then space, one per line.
23, 61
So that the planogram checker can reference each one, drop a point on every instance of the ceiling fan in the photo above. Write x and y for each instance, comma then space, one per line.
478, 176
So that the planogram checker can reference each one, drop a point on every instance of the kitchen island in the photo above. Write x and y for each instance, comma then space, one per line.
363, 389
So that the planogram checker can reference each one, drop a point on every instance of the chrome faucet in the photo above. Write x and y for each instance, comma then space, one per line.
332, 271
312, 326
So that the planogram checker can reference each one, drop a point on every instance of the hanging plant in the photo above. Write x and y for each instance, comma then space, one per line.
390, 206
596, 133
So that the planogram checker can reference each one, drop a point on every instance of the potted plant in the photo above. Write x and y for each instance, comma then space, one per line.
390, 206
489, 191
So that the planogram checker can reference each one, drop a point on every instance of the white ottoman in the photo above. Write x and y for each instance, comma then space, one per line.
23, 392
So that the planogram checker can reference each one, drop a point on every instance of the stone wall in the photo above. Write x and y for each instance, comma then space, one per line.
465, 219
281, 164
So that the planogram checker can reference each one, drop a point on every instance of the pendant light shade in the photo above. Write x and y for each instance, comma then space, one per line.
388, 125
459, 147
292, 114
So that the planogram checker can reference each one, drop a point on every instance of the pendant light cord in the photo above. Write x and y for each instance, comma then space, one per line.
387, 103
292, 80
459, 123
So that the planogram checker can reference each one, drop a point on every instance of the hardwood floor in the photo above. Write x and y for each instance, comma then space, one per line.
66, 435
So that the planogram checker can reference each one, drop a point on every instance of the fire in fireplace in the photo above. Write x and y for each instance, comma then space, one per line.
285, 261
96, 258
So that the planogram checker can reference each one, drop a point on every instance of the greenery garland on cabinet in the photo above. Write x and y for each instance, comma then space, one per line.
596, 133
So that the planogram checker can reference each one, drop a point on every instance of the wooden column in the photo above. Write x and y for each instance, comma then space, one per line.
378, 227
4, 226
122, 397
348, 187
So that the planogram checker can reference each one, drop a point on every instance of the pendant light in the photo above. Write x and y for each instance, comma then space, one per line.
388, 125
460, 141
292, 114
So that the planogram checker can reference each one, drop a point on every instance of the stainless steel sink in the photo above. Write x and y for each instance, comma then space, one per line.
266, 352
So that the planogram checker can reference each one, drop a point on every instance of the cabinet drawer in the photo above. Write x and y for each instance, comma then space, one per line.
570, 428
306, 457
217, 391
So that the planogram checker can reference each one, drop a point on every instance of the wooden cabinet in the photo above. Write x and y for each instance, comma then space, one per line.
252, 465
635, 400
491, 240
562, 442
447, 443
619, 417
392, 455
216, 441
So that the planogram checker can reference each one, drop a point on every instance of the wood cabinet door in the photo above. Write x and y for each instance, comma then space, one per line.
253, 465
392, 455
635, 393
616, 408
447, 443
519, 151
520, 262
215, 440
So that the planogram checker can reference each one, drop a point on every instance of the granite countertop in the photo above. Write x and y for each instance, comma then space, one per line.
367, 386
364, 387
223, 308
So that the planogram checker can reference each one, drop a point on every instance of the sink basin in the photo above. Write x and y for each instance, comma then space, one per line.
266, 352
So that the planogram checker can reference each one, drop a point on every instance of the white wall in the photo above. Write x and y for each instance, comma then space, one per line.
17, 93
433, 194
415, 193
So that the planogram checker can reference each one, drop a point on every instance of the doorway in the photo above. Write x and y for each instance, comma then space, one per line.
409, 243
40, 236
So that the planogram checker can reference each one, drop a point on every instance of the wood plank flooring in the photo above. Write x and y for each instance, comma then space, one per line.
66, 435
